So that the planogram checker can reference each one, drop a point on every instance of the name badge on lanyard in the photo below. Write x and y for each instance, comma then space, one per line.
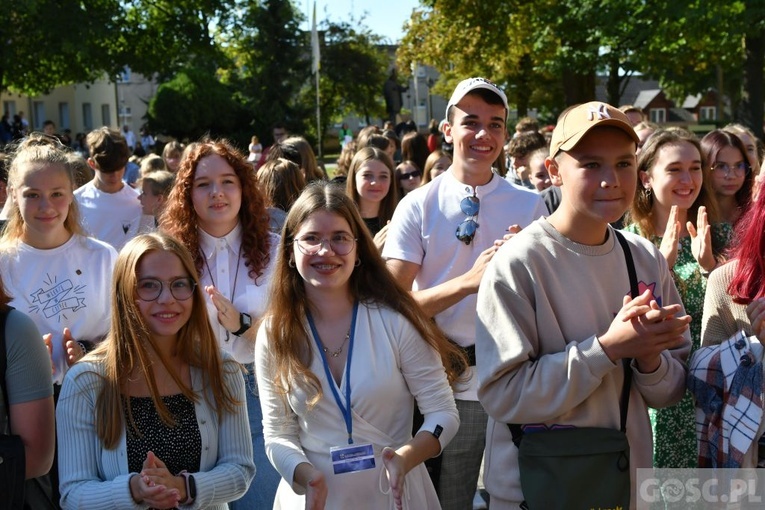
355, 457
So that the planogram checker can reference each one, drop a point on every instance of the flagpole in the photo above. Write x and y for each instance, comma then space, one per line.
316, 68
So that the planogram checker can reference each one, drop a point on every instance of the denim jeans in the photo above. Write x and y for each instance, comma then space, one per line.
260, 495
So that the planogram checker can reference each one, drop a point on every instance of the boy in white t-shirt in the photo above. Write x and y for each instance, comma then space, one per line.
110, 209
440, 240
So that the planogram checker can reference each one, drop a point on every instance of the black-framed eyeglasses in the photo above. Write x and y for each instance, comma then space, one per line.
149, 289
410, 175
467, 229
739, 169
340, 243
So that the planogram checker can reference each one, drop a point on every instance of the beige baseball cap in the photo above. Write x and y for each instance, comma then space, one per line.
574, 123
471, 84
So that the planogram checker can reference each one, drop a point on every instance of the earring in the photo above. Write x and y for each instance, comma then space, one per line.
357, 263
647, 192
291, 262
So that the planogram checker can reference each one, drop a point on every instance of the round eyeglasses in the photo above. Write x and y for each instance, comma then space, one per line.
467, 229
738, 169
339, 244
149, 289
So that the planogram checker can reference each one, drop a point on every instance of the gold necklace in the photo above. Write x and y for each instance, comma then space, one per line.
337, 352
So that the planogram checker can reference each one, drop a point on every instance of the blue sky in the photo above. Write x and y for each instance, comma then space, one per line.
383, 17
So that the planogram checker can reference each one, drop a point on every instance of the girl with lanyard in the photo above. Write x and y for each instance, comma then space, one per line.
216, 210
342, 356
154, 417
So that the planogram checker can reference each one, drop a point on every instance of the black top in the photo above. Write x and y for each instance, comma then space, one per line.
373, 224
179, 447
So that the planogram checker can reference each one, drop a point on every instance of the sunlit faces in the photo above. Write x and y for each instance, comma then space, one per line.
676, 176
597, 177
751, 150
372, 181
477, 130
326, 270
109, 182
390, 150
216, 194
165, 315
173, 161
440, 166
728, 185
643, 135
538, 174
409, 176
44, 197
150, 203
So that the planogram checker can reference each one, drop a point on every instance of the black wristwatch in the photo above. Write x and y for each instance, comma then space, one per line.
245, 323
191, 487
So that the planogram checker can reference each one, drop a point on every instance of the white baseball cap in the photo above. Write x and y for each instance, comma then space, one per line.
471, 84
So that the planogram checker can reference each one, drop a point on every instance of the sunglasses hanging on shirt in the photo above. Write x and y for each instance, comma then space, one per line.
467, 229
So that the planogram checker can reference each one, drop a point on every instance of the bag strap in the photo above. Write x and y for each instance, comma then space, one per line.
4, 365
627, 362
516, 429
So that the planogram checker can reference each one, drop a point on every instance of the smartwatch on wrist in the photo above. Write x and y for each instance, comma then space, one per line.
245, 323
191, 487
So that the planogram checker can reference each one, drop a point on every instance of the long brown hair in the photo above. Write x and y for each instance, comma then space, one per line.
125, 350
179, 218
370, 283
641, 211
389, 202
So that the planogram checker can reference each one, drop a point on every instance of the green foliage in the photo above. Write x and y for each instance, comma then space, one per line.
271, 56
193, 104
47, 43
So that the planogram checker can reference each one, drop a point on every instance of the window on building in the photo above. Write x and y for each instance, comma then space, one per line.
125, 75
658, 115
38, 113
125, 115
708, 113
87, 116
63, 116
106, 117
9, 107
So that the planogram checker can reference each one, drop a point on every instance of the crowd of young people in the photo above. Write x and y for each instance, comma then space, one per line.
267, 338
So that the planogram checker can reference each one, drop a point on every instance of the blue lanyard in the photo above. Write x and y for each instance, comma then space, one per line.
346, 411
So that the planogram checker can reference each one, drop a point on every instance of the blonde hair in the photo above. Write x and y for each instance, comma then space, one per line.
38, 149
152, 163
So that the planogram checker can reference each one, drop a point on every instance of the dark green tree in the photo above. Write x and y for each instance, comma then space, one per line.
46, 43
271, 56
195, 103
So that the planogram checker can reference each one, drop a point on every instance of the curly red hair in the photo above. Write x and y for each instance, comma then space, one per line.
180, 220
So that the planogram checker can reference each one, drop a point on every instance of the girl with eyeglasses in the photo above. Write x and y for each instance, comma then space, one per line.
342, 356
218, 212
370, 185
155, 417
674, 207
730, 172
